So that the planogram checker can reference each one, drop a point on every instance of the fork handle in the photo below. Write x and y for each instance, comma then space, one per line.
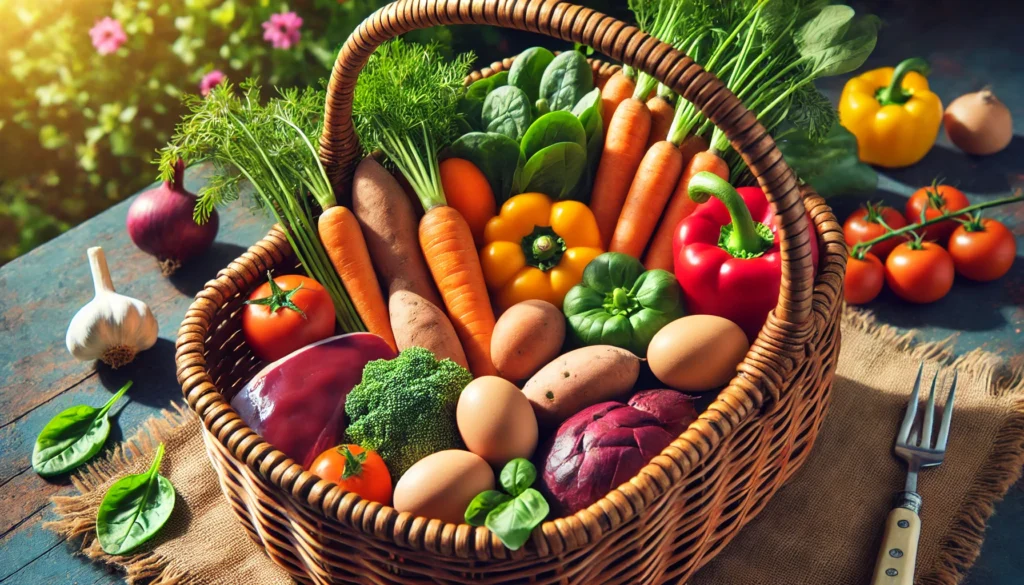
896, 558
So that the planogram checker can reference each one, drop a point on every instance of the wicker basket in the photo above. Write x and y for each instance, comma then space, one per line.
662, 525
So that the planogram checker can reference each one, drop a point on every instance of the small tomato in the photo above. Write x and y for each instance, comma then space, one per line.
869, 222
919, 272
286, 313
934, 201
864, 279
982, 249
356, 470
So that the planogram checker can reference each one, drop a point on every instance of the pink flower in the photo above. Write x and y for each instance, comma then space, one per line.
282, 30
211, 80
107, 35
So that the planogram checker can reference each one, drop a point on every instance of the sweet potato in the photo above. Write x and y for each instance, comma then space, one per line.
416, 322
578, 379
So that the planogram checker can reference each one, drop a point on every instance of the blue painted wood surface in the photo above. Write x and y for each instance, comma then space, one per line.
41, 291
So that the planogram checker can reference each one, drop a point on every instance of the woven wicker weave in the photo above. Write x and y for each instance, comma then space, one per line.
662, 525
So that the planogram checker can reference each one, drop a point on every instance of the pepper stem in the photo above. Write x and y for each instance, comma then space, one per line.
894, 92
543, 248
743, 238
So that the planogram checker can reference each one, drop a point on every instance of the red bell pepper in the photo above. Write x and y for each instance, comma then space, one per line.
727, 256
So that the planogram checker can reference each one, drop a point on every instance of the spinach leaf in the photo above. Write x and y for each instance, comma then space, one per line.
481, 88
555, 170
589, 111
513, 521
835, 42
528, 69
134, 509
589, 102
497, 157
517, 475
482, 504
560, 126
567, 79
832, 166
471, 104
73, 437
507, 111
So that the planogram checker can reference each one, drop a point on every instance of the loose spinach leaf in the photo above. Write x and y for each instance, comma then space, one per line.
471, 104
513, 521
835, 42
528, 69
517, 475
555, 170
134, 509
73, 437
567, 79
590, 101
497, 157
832, 166
482, 504
560, 126
589, 111
481, 88
507, 111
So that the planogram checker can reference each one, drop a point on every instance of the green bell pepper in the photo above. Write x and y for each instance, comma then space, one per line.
620, 304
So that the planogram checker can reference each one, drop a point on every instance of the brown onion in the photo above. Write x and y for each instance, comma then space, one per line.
978, 123
160, 223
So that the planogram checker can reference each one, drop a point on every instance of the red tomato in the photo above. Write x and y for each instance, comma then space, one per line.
864, 279
355, 470
919, 272
982, 249
935, 201
866, 224
289, 314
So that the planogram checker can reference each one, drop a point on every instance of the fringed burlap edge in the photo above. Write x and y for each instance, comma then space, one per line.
78, 517
960, 548
962, 542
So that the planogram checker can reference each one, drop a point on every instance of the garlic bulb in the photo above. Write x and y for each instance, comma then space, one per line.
112, 328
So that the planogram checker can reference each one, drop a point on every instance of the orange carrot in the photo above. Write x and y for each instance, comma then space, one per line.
662, 113
447, 244
617, 89
624, 147
467, 190
654, 183
679, 206
345, 246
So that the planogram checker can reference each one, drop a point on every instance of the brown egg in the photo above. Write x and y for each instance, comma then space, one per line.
527, 336
442, 485
697, 353
496, 420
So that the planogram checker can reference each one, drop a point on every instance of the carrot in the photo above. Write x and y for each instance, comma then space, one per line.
679, 206
389, 221
662, 113
447, 244
617, 89
343, 241
623, 150
654, 183
467, 190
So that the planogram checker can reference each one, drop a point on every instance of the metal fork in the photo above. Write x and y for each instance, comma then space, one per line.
896, 558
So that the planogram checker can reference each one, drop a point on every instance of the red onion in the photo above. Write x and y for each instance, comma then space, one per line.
160, 223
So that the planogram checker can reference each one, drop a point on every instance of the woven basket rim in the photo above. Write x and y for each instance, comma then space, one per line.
749, 390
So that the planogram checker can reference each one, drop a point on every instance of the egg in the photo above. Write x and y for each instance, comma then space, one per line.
496, 420
442, 485
527, 336
697, 353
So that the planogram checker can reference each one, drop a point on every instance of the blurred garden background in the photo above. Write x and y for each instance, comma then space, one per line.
89, 89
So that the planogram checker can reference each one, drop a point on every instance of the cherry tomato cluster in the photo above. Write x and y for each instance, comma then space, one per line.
920, 266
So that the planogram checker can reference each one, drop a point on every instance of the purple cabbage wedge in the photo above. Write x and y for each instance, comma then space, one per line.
297, 404
605, 445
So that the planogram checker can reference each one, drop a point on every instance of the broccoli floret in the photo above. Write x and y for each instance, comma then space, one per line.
404, 409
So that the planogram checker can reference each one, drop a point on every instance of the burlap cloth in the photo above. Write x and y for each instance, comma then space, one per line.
821, 529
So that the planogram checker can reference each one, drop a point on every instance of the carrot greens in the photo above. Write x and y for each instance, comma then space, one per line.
268, 146
406, 106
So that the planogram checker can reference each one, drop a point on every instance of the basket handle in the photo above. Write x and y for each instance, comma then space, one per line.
340, 150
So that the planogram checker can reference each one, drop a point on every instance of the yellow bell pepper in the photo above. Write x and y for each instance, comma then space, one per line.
537, 249
893, 114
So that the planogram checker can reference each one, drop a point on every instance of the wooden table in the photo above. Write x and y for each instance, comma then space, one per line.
40, 292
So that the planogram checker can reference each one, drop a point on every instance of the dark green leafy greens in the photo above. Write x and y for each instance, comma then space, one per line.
528, 69
507, 111
134, 509
512, 516
552, 128
566, 80
555, 170
73, 437
831, 166
497, 157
